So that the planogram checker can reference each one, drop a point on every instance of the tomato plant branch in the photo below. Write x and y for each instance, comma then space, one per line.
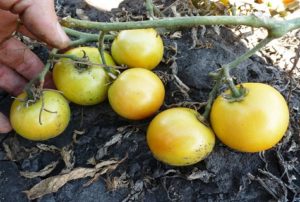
212, 95
249, 53
83, 37
276, 28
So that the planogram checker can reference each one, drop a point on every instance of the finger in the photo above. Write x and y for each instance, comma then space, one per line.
39, 17
23, 30
10, 81
5, 126
17, 56
7, 26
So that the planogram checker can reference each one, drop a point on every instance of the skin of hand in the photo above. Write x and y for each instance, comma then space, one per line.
18, 64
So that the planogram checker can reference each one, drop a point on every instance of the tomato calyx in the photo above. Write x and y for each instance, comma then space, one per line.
231, 97
81, 64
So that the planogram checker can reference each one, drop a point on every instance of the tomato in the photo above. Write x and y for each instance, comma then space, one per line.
225, 2
176, 137
83, 85
138, 48
136, 94
55, 117
256, 123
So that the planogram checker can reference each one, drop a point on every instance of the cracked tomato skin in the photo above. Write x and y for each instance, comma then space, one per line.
136, 94
176, 137
138, 48
83, 86
256, 123
55, 118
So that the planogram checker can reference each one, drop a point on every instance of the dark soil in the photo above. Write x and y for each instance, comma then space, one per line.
226, 175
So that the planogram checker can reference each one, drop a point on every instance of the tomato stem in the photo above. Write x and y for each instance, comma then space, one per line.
149, 8
234, 91
212, 95
152, 10
83, 37
101, 46
276, 27
249, 53
39, 78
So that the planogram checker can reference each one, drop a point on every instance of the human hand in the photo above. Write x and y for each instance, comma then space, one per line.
17, 63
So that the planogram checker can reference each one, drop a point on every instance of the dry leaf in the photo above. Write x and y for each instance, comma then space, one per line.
176, 35
14, 151
48, 148
136, 192
45, 171
68, 157
117, 182
53, 184
103, 150
202, 175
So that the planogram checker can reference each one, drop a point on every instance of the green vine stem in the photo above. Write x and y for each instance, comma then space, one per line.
212, 95
275, 27
249, 53
84, 37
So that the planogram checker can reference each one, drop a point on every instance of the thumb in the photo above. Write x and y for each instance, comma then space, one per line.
39, 17
4, 124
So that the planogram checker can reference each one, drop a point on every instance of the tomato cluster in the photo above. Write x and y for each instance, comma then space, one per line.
175, 136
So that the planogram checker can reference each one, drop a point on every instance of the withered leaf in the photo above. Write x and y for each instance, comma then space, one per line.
68, 157
53, 184
45, 171
48, 148
202, 175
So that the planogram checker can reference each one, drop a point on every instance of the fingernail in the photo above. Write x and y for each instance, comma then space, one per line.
64, 39
5, 126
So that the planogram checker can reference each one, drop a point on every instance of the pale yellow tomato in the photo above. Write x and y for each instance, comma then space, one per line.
138, 48
136, 94
256, 123
83, 84
33, 123
176, 137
